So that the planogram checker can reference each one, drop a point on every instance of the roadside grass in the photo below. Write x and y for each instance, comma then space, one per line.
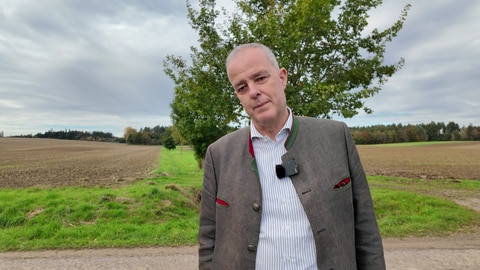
160, 211
163, 210
423, 207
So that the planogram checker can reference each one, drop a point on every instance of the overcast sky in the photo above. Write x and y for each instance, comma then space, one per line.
98, 65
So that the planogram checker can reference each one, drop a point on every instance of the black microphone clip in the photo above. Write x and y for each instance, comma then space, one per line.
287, 168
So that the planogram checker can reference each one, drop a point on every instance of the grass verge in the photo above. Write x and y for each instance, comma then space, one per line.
159, 211
421, 207
163, 210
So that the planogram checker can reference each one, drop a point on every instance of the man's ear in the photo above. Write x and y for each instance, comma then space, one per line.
283, 76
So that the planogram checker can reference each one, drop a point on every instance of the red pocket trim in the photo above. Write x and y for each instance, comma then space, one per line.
222, 202
342, 183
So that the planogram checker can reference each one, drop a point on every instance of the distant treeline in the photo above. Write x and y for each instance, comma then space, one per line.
76, 135
158, 135
146, 135
396, 133
377, 134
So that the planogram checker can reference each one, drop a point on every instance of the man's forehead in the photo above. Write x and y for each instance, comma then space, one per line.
248, 53
244, 61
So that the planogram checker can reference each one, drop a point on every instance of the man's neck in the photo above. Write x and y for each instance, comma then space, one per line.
271, 131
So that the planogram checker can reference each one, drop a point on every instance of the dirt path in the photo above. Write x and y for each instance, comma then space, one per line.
460, 251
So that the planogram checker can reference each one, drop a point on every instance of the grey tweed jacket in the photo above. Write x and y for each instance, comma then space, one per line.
331, 185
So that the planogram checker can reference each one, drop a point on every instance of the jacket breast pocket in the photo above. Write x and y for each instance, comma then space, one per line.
222, 203
343, 183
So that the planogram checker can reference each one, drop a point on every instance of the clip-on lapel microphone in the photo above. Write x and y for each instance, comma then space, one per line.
287, 168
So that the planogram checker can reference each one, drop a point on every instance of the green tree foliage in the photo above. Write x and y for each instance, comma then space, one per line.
147, 135
203, 104
167, 139
334, 63
470, 133
452, 131
177, 136
434, 131
128, 132
76, 135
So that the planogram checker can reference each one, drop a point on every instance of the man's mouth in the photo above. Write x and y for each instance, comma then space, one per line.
260, 105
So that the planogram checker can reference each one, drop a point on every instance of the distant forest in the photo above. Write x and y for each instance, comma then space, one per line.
75, 135
146, 136
377, 134
415, 133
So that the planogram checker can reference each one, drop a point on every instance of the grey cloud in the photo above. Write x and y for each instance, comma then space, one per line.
66, 60
98, 64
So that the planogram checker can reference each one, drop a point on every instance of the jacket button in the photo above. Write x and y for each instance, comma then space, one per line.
251, 248
256, 207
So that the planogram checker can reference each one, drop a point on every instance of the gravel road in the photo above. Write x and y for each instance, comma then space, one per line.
448, 253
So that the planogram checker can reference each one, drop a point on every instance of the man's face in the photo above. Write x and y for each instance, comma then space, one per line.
260, 87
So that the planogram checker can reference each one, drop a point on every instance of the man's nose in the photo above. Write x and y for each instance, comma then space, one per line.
254, 91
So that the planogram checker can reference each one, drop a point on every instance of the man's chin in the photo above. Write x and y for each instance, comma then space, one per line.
264, 118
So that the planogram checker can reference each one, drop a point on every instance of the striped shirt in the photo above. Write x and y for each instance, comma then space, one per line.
286, 239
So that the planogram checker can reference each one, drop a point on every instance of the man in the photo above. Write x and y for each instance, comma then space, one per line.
287, 192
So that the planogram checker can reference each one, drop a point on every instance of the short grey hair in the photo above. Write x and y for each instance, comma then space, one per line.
271, 57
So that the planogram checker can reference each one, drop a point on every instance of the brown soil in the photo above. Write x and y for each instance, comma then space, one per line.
26, 162
435, 161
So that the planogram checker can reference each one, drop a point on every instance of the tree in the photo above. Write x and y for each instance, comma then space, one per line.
203, 103
433, 131
178, 138
334, 65
129, 132
167, 139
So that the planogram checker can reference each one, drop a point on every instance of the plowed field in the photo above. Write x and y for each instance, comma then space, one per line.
446, 160
26, 162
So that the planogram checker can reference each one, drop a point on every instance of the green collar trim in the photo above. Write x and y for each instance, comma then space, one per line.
293, 134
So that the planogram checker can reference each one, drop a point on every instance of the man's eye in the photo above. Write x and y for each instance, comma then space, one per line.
241, 89
261, 79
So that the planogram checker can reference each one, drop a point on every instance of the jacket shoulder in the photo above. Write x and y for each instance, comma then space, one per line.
327, 124
237, 137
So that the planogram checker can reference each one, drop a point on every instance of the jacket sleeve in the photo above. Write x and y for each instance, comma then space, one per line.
207, 228
368, 243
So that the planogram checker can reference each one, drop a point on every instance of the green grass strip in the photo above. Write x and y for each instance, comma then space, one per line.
163, 210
